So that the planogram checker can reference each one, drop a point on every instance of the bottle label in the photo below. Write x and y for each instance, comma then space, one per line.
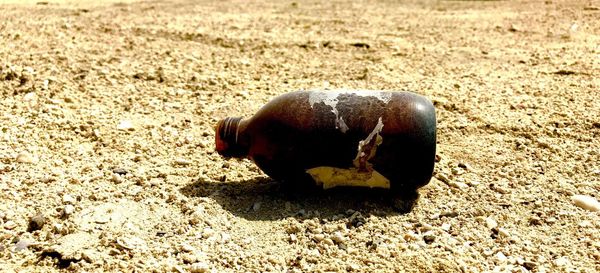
330, 177
362, 173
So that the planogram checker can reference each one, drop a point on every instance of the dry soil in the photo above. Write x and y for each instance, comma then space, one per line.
107, 110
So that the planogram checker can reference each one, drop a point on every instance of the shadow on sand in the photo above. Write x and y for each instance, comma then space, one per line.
262, 198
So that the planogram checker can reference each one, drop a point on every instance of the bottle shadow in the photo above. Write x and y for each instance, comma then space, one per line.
262, 198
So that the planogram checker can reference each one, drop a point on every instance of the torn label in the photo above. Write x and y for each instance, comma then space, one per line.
362, 174
368, 147
330, 177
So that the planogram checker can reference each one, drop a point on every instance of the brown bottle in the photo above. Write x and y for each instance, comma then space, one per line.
335, 138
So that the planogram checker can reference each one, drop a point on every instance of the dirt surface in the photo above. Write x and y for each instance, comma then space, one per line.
106, 135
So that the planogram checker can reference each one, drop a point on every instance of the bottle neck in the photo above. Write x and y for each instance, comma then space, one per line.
227, 138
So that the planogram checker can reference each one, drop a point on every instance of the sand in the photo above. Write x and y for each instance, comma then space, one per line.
107, 160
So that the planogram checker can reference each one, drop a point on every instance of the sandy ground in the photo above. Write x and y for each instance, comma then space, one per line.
106, 135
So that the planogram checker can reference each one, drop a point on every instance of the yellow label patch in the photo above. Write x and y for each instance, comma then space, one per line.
331, 177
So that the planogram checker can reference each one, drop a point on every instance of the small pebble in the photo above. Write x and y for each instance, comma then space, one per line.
319, 237
425, 227
328, 241
529, 265
207, 232
189, 258
68, 210
120, 171
36, 222
458, 185
130, 243
457, 171
125, 125
500, 257
10, 225
26, 158
429, 238
410, 237
451, 214
491, 223
155, 182
187, 247
586, 202
22, 244
225, 237
499, 189
274, 260
30, 96
177, 268
338, 238
534, 220
199, 267
68, 199
473, 182
58, 228
443, 178
503, 232
116, 178
446, 226
562, 261
585, 223
182, 162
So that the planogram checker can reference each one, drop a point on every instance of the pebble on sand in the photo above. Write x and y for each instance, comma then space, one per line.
125, 125
491, 223
68, 210
10, 225
130, 243
458, 185
27, 158
185, 247
68, 199
319, 237
36, 222
182, 162
22, 244
199, 267
500, 257
586, 202
503, 232
207, 232
338, 238
116, 178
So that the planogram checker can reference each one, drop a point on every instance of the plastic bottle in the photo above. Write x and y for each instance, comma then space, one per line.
364, 138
